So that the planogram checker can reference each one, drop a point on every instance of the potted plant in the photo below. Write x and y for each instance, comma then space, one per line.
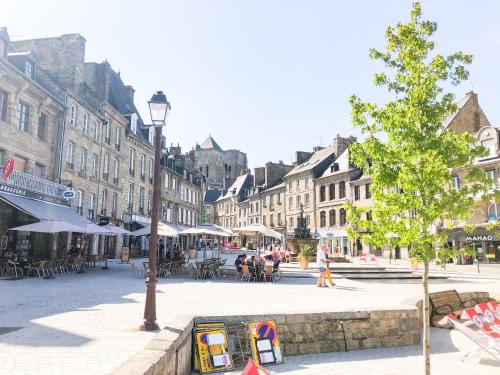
305, 252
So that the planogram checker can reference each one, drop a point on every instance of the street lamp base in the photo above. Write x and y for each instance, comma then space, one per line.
149, 327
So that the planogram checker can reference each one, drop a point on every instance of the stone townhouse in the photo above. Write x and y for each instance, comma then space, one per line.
273, 207
209, 211
227, 204
32, 112
32, 115
299, 182
333, 190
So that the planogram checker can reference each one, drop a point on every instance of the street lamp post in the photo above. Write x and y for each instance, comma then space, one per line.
159, 108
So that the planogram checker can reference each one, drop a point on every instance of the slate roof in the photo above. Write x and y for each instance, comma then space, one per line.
315, 159
209, 144
460, 104
344, 165
211, 196
237, 188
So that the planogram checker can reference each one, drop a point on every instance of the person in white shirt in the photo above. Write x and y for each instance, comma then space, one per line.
321, 263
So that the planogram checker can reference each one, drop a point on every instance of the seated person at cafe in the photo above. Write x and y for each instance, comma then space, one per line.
269, 260
251, 264
238, 263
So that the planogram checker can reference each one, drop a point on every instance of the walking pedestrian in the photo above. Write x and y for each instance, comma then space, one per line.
321, 263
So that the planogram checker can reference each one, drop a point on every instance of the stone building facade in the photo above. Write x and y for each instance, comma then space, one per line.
31, 115
77, 124
219, 167
300, 181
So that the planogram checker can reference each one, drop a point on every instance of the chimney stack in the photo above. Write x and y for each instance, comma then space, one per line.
130, 91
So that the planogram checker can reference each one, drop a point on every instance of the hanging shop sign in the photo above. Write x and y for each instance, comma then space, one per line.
265, 343
31, 194
479, 238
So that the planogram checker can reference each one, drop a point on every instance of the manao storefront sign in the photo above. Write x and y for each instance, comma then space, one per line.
479, 238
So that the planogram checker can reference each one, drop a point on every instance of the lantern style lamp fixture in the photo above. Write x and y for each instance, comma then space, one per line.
159, 107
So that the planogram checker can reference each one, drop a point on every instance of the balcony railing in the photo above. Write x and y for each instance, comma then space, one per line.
33, 183
117, 147
91, 214
131, 172
79, 210
105, 176
143, 177
115, 180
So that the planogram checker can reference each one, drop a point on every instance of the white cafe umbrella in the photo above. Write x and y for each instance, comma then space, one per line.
114, 230
163, 230
258, 229
91, 228
207, 229
49, 226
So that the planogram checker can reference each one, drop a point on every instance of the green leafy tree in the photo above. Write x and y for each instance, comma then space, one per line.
408, 154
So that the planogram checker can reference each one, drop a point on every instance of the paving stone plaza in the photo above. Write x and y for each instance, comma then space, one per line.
89, 322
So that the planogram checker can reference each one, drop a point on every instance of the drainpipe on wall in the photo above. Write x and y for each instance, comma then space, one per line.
60, 140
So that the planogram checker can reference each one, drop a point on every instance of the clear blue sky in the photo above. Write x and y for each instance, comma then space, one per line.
265, 76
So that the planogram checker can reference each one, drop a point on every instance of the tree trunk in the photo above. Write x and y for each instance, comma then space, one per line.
425, 317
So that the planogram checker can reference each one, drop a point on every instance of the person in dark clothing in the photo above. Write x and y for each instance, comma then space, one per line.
238, 262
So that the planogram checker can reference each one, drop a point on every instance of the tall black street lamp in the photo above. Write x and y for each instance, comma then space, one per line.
159, 108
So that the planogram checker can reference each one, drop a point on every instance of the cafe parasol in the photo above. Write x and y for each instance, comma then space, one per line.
257, 230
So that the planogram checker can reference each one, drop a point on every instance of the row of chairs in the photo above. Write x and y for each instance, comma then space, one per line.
267, 274
208, 269
481, 324
44, 268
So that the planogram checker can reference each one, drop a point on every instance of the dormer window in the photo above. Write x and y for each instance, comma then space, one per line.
490, 145
29, 69
151, 135
133, 123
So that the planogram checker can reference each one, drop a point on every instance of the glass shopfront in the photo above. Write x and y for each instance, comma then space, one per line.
485, 243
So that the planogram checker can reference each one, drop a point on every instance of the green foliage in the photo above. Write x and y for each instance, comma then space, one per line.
408, 153
306, 251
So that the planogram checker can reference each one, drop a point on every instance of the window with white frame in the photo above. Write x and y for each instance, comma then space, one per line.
491, 174
165, 181
141, 199
489, 144
79, 198
105, 166
73, 116
4, 101
104, 201
116, 168
151, 170
29, 69
133, 123
70, 150
131, 160
455, 182
85, 123
151, 135
97, 130
114, 200
94, 165
91, 202
83, 160
107, 132
24, 116
118, 136
143, 165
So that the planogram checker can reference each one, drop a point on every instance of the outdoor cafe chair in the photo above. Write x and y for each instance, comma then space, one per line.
269, 273
165, 270
12, 269
245, 275
135, 269
36, 267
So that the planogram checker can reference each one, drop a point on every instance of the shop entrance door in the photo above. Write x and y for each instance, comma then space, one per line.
397, 253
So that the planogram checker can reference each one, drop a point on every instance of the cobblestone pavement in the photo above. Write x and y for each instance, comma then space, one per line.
88, 323
448, 349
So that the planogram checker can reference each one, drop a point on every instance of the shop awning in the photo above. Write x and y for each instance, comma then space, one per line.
43, 210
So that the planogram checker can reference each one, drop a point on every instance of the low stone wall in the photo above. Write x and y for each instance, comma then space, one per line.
168, 353
335, 331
